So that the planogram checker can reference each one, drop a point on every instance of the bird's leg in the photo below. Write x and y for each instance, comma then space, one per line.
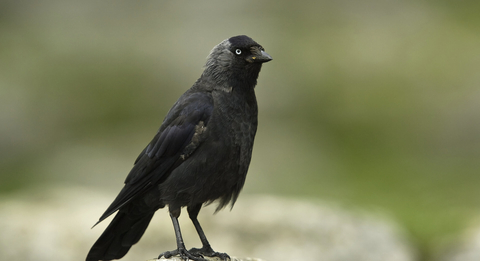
181, 250
206, 249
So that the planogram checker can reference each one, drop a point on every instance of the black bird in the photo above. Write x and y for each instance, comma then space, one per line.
200, 154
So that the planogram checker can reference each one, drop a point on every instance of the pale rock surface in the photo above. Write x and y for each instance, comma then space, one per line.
54, 224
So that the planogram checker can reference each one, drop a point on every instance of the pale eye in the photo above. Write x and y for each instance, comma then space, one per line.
238, 51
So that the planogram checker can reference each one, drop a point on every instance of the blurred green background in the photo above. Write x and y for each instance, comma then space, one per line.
371, 104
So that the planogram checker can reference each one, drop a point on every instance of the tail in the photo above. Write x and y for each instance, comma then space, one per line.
125, 230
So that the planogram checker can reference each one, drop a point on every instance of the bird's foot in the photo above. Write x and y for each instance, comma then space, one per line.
183, 254
208, 251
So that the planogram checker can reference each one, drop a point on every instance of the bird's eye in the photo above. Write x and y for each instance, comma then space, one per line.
238, 51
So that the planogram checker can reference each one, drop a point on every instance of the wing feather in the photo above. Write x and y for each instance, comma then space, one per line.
156, 161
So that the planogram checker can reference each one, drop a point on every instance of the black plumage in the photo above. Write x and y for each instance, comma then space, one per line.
200, 154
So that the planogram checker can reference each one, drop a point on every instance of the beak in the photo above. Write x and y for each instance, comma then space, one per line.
259, 56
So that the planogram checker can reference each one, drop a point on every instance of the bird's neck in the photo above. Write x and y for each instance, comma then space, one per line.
245, 79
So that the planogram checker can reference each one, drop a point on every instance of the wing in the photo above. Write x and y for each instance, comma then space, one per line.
172, 143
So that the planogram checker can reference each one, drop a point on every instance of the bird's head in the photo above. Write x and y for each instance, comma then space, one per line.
238, 58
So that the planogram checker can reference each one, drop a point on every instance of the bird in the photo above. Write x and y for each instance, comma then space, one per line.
200, 154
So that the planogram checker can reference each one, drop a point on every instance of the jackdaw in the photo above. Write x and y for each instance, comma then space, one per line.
200, 154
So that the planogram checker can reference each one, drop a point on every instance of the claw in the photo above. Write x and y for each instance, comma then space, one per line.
183, 254
208, 251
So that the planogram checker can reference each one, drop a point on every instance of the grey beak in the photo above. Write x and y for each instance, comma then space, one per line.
259, 57
264, 57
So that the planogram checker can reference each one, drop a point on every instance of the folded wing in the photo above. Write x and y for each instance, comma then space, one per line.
169, 148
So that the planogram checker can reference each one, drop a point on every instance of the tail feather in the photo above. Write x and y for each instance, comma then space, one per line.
124, 231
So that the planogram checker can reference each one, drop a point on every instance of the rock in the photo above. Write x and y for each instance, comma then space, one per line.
54, 224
